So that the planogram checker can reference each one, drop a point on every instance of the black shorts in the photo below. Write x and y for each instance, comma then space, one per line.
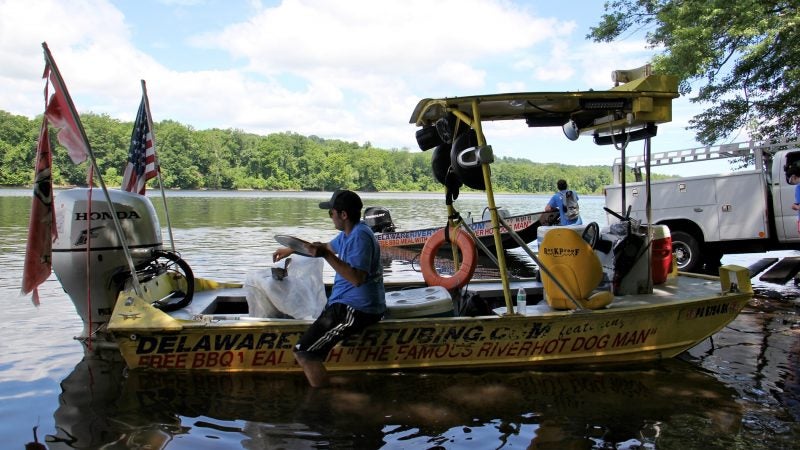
336, 322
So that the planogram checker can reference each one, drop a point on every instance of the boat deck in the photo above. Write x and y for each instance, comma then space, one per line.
231, 303
675, 289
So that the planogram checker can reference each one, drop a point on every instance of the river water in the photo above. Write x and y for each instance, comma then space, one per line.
740, 390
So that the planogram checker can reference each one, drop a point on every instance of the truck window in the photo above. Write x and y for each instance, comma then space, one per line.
792, 165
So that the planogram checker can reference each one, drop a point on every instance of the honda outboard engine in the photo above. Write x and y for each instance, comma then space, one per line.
378, 219
502, 212
80, 226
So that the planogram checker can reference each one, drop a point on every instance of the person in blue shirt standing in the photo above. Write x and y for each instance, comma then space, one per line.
358, 297
565, 202
794, 178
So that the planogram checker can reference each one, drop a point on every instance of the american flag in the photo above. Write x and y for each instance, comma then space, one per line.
142, 163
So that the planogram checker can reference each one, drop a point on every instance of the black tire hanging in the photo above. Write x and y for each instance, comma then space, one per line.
428, 138
470, 176
167, 305
440, 162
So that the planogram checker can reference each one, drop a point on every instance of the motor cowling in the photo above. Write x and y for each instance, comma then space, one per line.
88, 240
378, 219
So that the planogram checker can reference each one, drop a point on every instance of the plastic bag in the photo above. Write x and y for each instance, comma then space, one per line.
300, 295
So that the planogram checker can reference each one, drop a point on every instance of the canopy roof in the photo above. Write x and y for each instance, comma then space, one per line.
634, 105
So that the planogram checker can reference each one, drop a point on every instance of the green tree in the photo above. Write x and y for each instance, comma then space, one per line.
743, 55
233, 159
17, 164
177, 155
110, 140
15, 130
340, 173
370, 167
220, 152
18, 137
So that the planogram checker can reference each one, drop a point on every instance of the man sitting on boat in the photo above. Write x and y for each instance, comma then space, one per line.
565, 202
357, 299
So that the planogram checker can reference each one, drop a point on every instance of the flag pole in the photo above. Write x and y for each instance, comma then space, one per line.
158, 165
117, 225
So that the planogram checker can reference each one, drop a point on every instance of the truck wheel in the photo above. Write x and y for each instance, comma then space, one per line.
686, 251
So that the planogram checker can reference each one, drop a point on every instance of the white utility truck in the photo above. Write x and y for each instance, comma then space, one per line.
744, 211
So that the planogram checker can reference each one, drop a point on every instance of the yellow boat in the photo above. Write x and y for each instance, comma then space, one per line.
634, 328
595, 303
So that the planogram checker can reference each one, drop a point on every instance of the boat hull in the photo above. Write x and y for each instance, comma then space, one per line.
625, 333
524, 225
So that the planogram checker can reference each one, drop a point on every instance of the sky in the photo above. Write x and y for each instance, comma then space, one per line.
338, 69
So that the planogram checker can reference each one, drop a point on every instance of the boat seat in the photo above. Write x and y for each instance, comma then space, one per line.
571, 260
430, 301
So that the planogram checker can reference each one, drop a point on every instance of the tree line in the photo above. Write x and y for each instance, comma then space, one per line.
233, 159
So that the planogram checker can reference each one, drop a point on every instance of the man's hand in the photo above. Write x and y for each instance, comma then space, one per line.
317, 249
281, 253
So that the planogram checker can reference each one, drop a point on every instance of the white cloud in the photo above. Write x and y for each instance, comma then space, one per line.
511, 86
352, 69
376, 36
597, 60
371, 53
90, 44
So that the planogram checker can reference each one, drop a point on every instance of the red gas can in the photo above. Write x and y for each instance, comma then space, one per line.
661, 253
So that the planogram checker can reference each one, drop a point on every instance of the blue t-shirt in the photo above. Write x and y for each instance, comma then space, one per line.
557, 202
360, 249
797, 198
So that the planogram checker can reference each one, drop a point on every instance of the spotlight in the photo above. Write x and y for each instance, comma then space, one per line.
571, 130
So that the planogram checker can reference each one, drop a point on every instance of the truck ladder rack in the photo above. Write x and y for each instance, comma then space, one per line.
710, 152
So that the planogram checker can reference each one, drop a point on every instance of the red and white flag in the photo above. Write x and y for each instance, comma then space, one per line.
142, 164
59, 112
62, 114
42, 226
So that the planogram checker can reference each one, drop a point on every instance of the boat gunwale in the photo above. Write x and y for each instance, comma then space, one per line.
620, 306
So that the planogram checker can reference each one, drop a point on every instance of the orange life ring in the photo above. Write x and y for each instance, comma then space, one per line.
469, 260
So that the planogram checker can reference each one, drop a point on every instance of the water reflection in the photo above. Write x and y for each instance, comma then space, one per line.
758, 354
577, 409
741, 392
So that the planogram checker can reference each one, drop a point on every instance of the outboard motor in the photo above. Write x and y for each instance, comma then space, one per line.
502, 212
80, 226
378, 219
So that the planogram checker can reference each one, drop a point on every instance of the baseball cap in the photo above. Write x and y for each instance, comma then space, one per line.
343, 200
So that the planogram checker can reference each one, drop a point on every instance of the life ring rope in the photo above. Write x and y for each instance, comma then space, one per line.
469, 259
